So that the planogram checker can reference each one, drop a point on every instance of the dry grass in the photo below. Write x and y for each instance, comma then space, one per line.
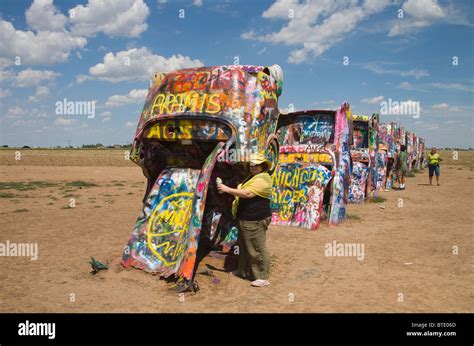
464, 158
65, 157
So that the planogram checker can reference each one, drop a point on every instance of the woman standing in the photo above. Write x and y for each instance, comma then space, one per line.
402, 166
252, 210
433, 165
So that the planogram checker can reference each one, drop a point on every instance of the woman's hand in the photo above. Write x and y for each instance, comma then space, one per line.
222, 188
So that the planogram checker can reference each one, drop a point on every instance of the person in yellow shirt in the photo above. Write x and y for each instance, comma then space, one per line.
252, 209
433, 165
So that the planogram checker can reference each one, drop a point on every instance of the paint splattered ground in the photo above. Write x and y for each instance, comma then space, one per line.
407, 250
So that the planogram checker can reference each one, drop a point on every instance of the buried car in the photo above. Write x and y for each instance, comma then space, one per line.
388, 144
361, 159
378, 154
313, 173
420, 162
197, 125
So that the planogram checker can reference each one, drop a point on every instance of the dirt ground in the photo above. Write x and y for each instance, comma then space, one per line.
409, 262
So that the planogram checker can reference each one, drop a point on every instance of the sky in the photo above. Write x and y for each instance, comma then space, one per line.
371, 53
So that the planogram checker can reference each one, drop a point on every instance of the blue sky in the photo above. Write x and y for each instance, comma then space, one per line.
365, 52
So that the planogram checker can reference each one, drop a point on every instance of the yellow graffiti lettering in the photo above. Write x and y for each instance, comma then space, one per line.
269, 94
154, 132
213, 100
185, 128
192, 100
159, 99
306, 157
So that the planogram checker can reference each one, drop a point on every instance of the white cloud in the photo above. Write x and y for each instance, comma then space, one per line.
440, 106
406, 86
423, 9
316, 26
414, 73
65, 122
453, 86
44, 47
25, 123
15, 112
125, 18
446, 107
197, 3
29, 77
41, 92
4, 93
43, 15
82, 78
106, 116
373, 100
134, 96
130, 124
376, 68
137, 64
411, 87
417, 14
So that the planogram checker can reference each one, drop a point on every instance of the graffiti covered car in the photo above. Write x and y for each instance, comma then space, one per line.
378, 155
361, 161
420, 162
313, 172
388, 144
197, 125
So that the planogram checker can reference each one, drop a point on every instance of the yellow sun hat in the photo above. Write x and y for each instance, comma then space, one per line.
259, 158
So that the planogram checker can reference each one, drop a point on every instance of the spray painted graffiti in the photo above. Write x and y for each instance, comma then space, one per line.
360, 172
166, 234
317, 129
360, 158
230, 239
173, 129
409, 147
421, 153
160, 236
342, 178
379, 170
387, 143
297, 197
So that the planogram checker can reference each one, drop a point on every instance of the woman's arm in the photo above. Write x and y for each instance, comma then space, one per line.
242, 193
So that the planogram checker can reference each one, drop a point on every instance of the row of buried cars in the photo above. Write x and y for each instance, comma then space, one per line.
201, 124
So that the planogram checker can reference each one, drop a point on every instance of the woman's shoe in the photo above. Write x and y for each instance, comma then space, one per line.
260, 283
